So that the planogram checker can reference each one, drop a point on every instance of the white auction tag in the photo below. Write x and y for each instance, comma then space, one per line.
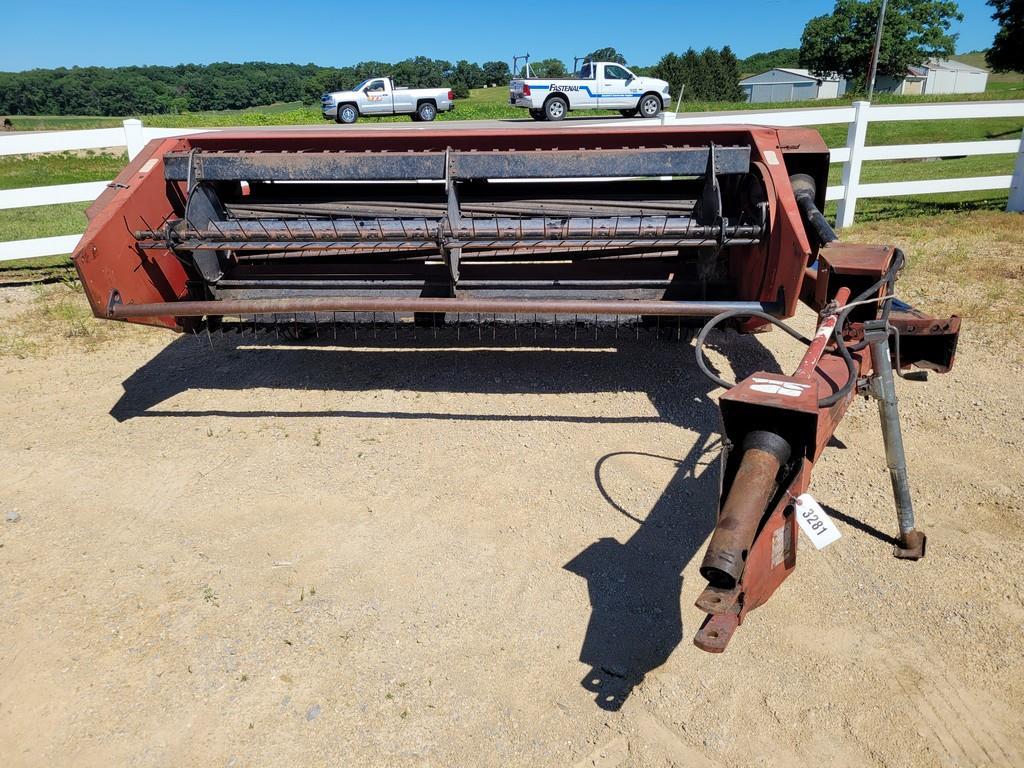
816, 525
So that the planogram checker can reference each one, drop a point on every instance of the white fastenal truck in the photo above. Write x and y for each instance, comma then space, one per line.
380, 96
599, 85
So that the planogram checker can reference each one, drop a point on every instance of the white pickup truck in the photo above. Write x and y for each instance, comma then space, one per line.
599, 85
379, 96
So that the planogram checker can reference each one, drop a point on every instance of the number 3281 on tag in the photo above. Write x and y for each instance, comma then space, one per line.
814, 522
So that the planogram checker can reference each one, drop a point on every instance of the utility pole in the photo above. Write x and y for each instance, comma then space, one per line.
874, 54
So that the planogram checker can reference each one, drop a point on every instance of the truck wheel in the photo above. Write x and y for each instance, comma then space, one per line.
348, 113
426, 111
555, 108
649, 106
537, 114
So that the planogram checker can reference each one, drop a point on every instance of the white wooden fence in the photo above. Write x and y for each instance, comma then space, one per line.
134, 136
853, 155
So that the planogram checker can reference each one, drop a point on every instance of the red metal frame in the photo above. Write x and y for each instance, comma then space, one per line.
108, 258
781, 271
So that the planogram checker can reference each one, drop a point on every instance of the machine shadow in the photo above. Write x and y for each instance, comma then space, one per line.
634, 586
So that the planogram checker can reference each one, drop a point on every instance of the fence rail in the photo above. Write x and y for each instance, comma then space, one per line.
858, 116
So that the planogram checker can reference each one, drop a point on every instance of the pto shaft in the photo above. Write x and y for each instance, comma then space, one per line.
764, 454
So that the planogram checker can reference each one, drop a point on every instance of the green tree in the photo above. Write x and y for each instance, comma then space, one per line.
463, 76
756, 63
1007, 51
496, 72
607, 54
730, 76
670, 69
914, 31
693, 76
546, 68
706, 84
706, 76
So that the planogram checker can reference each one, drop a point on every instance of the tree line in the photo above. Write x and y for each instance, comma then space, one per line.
706, 76
840, 42
199, 87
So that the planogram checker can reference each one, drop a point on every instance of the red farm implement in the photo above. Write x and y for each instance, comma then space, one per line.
724, 223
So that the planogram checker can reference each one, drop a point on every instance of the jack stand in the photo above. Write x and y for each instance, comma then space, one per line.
882, 387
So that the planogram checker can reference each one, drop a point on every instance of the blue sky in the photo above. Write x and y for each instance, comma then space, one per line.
51, 34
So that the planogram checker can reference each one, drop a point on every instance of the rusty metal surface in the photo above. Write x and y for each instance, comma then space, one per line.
911, 545
398, 165
752, 488
109, 259
120, 311
689, 248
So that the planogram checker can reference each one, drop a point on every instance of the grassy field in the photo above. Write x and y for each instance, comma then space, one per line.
483, 104
490, 103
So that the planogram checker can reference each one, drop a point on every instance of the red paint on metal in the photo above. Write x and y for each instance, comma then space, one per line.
108, 258
821, 338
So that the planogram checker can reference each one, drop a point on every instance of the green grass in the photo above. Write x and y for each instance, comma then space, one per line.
491, 103
42, 221
482, 104
61, 122
18, 171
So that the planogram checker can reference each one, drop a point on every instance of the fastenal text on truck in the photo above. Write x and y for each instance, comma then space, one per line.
599, 85
379, 96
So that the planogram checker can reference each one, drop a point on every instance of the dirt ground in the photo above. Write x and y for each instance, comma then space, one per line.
385, 553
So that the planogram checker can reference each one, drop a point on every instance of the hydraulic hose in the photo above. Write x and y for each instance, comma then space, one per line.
887, 280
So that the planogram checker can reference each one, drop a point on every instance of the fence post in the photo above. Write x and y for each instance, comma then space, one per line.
851, 168
1016, 202
133, 137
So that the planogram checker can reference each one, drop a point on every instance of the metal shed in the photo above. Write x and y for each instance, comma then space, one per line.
784, 84
936, 76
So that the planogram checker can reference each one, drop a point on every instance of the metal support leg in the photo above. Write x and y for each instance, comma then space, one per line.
883, 388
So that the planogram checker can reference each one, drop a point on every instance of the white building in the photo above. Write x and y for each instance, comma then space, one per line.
936, 76
785, 84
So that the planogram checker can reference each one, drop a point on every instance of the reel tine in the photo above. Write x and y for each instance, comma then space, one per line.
394, 324
479, 330
334, 323
458, 326
373, 325
355, 328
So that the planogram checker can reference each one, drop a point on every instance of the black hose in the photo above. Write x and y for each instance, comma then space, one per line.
805, 192
720, 318
888, 280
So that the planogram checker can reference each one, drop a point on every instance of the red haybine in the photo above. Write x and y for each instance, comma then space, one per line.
722, 222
